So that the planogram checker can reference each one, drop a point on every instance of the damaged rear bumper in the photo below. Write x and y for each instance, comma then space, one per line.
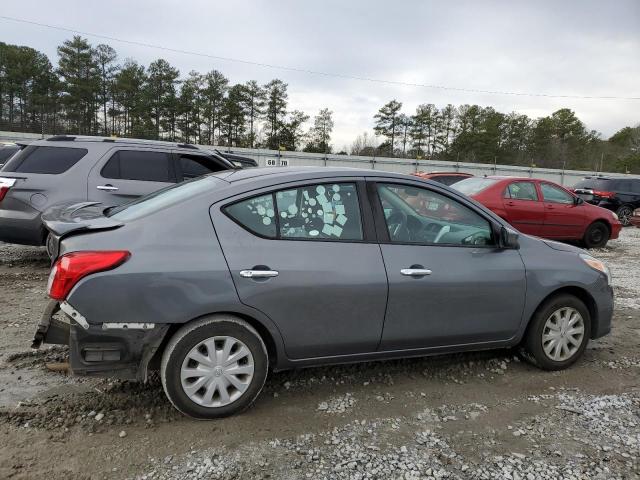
121, 350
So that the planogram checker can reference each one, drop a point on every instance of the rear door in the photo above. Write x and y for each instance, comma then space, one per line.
125, 173
305, 255
563, 218
523, 207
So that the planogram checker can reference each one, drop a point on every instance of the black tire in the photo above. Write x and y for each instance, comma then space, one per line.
596, 235
533, 341
191, 335
624, 214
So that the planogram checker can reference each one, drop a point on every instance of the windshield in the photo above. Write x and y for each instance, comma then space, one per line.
160, 199
471, 186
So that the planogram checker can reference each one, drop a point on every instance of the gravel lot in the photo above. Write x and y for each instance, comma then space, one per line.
483, 415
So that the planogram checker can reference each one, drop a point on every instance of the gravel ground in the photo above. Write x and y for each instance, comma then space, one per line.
482, 415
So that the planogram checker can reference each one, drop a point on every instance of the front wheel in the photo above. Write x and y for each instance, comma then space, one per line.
558, 333
596, 235
214, 367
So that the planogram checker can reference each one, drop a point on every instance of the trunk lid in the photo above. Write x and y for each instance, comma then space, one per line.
78, 217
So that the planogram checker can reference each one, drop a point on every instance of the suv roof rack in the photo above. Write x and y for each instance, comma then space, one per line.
61, 138
187, 145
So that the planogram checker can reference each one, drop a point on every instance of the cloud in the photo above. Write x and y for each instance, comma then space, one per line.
572, 48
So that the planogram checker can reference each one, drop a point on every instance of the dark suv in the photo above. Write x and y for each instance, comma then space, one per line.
110, 171
620, 195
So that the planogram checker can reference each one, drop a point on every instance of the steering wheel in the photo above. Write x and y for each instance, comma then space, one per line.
442, 232
397, 223
478, 238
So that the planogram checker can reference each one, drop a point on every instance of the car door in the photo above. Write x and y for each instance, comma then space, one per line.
306, 256
563, 218
124, 174
449, 284
523, 208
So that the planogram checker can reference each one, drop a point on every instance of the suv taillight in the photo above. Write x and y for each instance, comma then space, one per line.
70, 268
604, 194
5, 185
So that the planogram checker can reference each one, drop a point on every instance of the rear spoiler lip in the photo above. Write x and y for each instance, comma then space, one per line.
62, 219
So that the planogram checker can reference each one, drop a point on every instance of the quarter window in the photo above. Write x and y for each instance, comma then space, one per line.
47, 160
139, 165
418, 215
522, 191
554, 194
256, 214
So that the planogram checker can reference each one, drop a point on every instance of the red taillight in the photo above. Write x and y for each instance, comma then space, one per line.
5, 185
604, 194
70, 268
3, 192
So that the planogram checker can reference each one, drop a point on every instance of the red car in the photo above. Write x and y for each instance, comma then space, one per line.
447, 178
543, 208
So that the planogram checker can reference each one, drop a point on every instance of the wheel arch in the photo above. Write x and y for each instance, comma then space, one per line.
274, 349
581, 294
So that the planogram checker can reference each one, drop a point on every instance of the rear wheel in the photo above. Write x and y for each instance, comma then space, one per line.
596, 235
624, 215
558, 333
214, 367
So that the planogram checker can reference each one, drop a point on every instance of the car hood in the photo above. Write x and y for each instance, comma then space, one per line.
563, 247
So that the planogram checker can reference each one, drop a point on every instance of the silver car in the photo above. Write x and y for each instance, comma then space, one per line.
112, 171
218, 279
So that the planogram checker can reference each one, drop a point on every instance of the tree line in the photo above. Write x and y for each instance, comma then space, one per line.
89, 91
471, 133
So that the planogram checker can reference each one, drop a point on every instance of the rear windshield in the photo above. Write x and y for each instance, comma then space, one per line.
47, 160
471, 186
160, 199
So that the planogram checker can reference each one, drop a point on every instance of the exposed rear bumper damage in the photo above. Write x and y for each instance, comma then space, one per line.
119, 350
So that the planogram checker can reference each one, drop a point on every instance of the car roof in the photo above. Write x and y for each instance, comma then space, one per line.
284, 174
446, 173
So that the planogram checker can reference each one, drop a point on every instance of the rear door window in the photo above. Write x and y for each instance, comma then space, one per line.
328, 211
44, 159
522, 191
140, 165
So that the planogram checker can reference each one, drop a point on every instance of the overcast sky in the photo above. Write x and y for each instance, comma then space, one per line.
545, 47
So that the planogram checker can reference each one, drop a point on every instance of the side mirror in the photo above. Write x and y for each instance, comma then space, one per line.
509, 238
578, 201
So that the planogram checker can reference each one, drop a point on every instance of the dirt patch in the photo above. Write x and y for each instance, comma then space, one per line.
480, 415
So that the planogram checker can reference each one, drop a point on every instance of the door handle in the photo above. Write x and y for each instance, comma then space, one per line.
511, 204
415, 272
107, 188
258, 273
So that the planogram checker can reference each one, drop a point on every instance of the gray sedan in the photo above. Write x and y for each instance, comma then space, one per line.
215, 280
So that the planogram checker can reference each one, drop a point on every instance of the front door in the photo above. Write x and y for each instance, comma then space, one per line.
563, 217
300, 255
125, 174
523, 208
448, 282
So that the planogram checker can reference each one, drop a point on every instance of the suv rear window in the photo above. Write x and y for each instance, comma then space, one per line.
602, 184
48, 160
139, 165
7, 152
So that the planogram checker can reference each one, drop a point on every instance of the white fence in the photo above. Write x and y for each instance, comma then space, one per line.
266, 157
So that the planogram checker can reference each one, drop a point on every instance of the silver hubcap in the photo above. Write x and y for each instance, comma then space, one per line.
563, 334
217, 371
